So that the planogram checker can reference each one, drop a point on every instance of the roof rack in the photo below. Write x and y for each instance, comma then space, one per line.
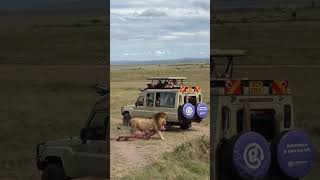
166, 78
164, 82
229, 55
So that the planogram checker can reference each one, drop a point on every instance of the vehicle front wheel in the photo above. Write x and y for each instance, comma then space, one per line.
185, 126
53, 171
126, 119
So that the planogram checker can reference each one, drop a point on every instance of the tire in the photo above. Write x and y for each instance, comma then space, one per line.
241, 153
218, 163
168, 126
185, 126
126, 119
187, 111
225, 169
202, 111
53, 171
283, 155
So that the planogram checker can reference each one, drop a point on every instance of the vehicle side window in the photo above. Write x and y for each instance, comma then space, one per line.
97, 119
240, 121
140, 101
166, 99
150, 99
225, 119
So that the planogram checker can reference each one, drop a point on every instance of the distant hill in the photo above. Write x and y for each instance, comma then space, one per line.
170, 61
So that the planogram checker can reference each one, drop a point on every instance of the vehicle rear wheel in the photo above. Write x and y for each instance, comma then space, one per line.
246, 156
301, 149
126, 119
53, 171
185, 126
168, 125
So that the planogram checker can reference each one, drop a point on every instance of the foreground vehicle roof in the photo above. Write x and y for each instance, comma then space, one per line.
227, 53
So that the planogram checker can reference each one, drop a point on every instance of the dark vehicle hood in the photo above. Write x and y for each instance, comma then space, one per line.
72, 141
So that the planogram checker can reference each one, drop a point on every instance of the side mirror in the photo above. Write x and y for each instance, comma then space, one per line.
83, 135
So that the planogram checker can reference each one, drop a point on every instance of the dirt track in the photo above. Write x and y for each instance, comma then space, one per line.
131, 155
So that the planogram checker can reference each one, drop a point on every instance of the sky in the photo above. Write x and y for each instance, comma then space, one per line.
144, 30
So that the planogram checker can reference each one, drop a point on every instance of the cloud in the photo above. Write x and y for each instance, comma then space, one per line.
159, 29
204, 5
162, 52
185, 35
174, 13
152, 13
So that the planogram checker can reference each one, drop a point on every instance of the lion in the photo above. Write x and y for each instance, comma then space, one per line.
150, 126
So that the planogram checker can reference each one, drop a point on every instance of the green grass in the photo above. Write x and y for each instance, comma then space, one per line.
188, 161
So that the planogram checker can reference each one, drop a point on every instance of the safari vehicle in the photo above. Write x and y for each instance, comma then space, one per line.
182, 104
82, 156
255, 136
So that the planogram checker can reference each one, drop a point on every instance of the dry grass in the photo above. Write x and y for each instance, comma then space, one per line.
39, 105
43, 102
53, 39
126, 157
189, 160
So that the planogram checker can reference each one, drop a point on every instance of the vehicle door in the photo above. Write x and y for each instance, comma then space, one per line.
149, 105
264, 118
92, 155
192, 99
259, 117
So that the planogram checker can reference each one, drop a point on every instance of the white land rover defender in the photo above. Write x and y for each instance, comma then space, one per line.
182, 104
255, 136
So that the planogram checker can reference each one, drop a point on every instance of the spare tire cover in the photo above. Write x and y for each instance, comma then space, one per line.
295, 154
188, 111
202, 110
251, 156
